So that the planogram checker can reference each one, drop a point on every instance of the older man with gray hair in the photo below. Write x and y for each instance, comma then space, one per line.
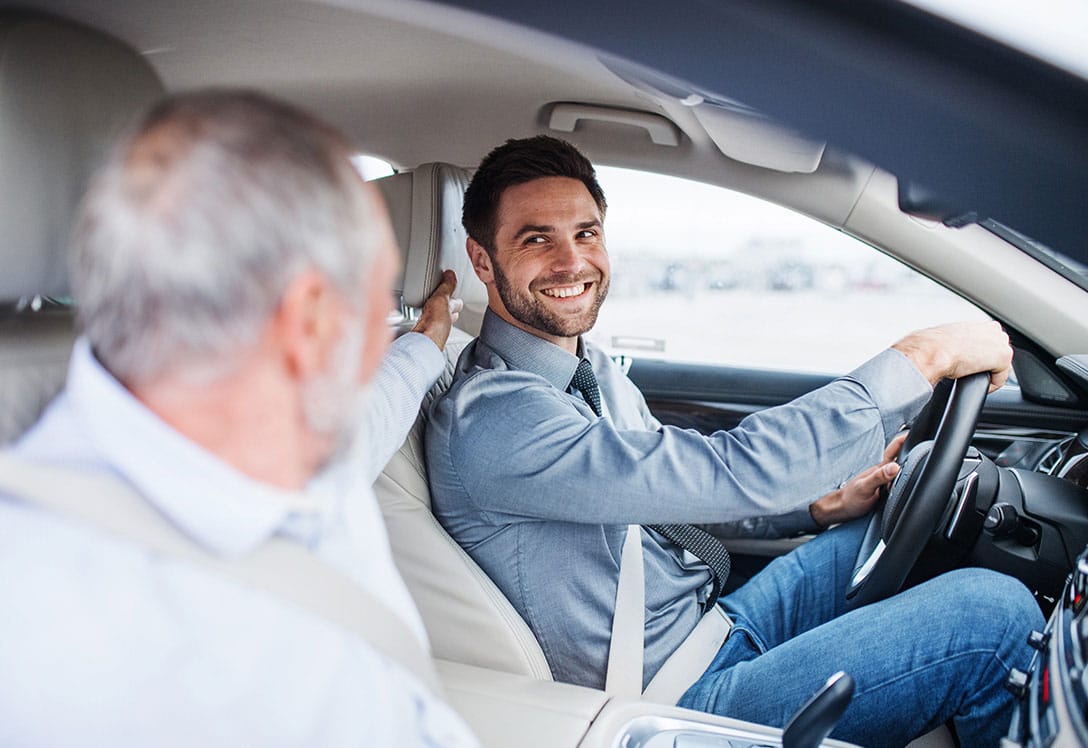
190, 552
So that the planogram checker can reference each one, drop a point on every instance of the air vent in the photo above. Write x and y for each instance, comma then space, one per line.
1052, 458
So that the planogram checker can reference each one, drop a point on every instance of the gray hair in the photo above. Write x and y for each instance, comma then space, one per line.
193, 230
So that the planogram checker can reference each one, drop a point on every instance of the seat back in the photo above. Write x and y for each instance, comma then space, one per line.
468, 619
66, 93
425, 208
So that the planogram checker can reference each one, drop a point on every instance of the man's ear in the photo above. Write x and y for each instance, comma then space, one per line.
481, 261
307, 324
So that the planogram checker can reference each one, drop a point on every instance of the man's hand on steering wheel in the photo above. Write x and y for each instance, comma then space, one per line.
859, 494
959, 349
977, 355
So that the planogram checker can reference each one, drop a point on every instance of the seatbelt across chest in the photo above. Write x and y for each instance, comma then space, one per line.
279, 567
625, 653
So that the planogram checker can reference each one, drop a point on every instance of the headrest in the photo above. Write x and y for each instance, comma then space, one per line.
66, 93
425, 208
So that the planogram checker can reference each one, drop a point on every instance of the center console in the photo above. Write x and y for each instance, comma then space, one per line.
1052, 704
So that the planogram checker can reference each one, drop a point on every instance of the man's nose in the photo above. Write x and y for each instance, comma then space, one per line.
567, 256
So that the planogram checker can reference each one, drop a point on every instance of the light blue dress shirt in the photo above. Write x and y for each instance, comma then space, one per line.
104, 643
539, 490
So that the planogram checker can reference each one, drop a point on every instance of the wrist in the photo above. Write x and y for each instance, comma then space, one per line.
930, 358
821, 512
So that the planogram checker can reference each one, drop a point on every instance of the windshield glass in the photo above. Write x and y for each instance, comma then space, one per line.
1068, 267
1052, 30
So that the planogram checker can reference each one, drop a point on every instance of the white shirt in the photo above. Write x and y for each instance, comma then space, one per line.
104, 643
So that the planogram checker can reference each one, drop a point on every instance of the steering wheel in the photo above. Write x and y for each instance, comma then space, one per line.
920, 494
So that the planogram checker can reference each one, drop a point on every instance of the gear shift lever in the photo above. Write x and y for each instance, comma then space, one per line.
815, 720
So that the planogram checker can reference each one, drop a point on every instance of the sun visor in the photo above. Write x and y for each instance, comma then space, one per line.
756, 140
740, 132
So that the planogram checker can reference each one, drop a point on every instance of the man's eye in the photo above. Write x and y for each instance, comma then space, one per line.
535, 240
586, 234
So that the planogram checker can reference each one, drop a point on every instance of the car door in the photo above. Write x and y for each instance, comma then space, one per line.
742, 305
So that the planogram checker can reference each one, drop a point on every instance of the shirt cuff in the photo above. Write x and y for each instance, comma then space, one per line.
895, 386
421, 353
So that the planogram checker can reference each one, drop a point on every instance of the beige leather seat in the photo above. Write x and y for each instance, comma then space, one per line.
468, 619
66, 92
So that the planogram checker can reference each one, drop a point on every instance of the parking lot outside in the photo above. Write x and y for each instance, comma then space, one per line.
707, 275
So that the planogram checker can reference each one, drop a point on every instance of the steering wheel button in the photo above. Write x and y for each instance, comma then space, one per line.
1038, 640
1017, 683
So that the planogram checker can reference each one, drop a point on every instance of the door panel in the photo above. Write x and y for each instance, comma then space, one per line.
1012, 431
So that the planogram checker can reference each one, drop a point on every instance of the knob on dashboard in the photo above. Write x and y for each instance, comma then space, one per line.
1038, 640
1078, 589
1001, 519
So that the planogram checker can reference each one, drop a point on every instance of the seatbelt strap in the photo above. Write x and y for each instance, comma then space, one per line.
624, 674
279, 567
691, 659
625, 652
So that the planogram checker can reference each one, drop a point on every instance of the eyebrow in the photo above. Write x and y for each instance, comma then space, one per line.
532, 228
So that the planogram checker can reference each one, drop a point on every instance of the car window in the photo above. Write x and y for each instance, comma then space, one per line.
372, 167
703, 274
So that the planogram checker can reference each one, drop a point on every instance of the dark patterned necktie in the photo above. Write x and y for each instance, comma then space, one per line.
695, 540
586, 383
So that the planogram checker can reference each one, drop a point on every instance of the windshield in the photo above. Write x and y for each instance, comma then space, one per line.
1071, 269
1051, 30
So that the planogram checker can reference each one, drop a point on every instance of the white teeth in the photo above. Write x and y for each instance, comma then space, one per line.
564, 291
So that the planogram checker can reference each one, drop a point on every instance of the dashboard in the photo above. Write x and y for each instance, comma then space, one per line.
1052, 696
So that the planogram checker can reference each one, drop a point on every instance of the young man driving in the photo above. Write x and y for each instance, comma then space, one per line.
542, 453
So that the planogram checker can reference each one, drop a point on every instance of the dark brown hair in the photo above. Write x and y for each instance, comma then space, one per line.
517, 162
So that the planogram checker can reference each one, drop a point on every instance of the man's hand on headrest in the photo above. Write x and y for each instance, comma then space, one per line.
440, 311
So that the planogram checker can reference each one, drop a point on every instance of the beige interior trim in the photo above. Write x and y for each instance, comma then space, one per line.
1039, 302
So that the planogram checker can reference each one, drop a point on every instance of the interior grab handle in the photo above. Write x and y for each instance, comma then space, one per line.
565, 117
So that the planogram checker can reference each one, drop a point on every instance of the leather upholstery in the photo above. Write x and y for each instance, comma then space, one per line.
34, 350
66, 93
468, 619
425, 208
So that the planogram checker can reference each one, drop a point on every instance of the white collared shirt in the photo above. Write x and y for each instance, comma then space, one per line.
102, 642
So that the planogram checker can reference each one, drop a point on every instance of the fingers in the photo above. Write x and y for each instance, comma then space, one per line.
440, 302
998, 379
868, 482
891, 452
959, 349
440, 311
447, 285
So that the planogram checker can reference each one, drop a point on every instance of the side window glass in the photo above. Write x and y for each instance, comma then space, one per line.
372, 167
706, 275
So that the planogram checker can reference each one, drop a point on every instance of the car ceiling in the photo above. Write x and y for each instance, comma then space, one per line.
997, 132
403, 91
415, 81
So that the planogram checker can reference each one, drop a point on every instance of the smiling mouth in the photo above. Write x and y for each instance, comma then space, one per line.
566, 292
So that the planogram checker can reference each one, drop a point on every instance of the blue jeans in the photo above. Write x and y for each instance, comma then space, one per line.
936, 652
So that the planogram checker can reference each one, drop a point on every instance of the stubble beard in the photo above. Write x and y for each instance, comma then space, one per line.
529, 311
